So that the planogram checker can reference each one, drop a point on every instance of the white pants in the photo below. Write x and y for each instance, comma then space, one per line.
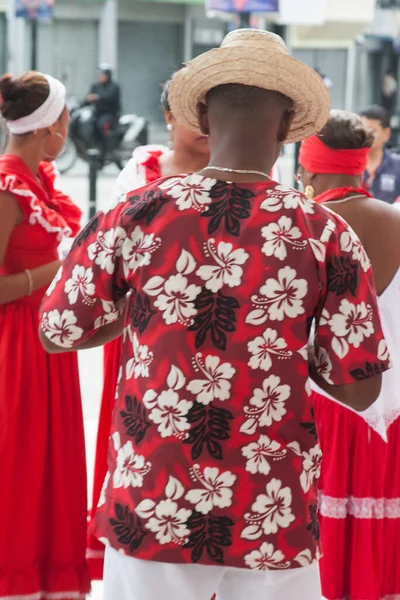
127, 578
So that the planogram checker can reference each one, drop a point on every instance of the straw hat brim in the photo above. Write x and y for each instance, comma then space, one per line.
267, 69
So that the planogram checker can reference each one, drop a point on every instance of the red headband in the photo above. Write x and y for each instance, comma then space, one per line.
316, 157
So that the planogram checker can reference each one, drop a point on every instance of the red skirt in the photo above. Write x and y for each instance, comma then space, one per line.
112, 357
43, 470
359, 506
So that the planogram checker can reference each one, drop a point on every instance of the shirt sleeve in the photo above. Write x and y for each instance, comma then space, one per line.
349, 343
85, 293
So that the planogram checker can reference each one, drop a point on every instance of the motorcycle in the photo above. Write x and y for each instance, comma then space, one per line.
132, 131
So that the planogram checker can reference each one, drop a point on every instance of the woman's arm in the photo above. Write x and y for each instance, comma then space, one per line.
13, 287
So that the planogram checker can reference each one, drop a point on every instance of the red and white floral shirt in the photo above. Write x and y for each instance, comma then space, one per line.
213, 457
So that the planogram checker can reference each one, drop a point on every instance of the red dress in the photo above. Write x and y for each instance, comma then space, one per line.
42, 452
360, 479
143, 168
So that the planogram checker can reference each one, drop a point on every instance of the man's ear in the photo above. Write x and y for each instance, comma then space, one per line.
285, 125
388, 133
202, 115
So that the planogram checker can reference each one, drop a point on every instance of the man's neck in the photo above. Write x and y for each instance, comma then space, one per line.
375, 158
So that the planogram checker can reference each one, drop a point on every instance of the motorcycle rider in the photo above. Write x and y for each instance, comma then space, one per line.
105, 96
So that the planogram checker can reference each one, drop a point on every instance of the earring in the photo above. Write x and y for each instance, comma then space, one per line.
169, 127
309, 192
48, 156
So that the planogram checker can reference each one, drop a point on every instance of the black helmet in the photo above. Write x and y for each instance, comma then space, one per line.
106, 70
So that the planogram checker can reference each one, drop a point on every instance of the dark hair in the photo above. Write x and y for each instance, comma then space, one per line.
21, 96
164, 100
245, 98
377, 113
346, 131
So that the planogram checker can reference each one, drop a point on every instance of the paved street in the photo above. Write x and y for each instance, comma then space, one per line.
91, 361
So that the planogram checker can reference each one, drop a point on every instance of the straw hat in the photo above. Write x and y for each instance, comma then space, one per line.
257, 58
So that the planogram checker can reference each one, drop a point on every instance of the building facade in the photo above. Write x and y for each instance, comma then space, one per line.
146, 40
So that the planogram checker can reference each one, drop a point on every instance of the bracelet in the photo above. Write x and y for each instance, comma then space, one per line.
30, 280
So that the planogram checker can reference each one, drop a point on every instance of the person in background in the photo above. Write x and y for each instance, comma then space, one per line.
43, 499
105, 96
360, 480
382, 175
212, 462
189, 153
389, 92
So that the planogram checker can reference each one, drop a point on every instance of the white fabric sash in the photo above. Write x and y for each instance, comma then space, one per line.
45, 115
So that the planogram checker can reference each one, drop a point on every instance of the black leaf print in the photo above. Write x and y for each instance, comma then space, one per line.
209, 533
135, 419
342, 276
313, 525
231, 204
370, 370
141, 312
210, 427
146, 206
311, 426
90, 228
128, 528
216, 316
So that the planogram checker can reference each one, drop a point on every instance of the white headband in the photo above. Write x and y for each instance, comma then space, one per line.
45, 115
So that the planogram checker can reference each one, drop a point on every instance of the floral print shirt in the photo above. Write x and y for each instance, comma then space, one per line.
213, 457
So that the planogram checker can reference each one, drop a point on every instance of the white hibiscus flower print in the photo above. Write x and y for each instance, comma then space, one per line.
80, 284
169, 522
227, 271
311, 465
216, 490
279, 298
349, 242
266, 559
166, 519
383, 353
131, 468
175, 296
279, 235
138, 365
351, 325
53, 284
61, 329
270, 512
107, 248
192, 191
216, 384
264, 347
168, 410
323, 364
170, 414
311, 468
137, 250
259, 452
177, 301
111, 314
283, 197
267, 406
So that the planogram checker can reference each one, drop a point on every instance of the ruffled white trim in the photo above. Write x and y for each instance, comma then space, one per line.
37, 216
360, 508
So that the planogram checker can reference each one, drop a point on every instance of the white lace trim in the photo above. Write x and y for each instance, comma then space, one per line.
360, 508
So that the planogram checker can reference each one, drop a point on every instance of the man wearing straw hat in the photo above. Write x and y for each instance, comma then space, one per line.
213, 458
